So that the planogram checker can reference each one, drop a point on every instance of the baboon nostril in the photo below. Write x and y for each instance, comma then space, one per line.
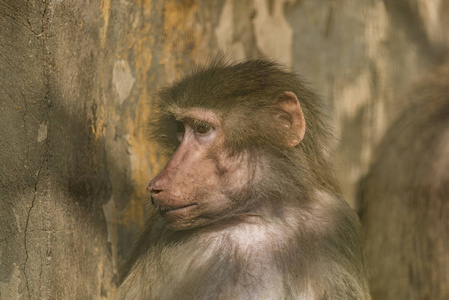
155, 191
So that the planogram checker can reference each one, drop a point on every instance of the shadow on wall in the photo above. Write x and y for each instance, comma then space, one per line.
52, 215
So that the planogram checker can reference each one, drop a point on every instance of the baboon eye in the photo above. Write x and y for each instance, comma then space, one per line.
179, 127
202, 128
179, 131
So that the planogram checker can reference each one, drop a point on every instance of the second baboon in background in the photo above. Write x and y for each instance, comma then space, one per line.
405, 200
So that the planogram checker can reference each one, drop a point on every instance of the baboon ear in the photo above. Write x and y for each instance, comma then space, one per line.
292, 118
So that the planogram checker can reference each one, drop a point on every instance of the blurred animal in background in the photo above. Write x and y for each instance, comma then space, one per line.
247, 206
405, 200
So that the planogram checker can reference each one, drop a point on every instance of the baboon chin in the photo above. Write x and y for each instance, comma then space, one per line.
247, 206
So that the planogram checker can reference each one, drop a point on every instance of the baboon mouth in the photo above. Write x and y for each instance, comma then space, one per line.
167, 209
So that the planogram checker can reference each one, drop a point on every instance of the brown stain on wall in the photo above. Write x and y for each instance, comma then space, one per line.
105, 11
141, 152
182, 34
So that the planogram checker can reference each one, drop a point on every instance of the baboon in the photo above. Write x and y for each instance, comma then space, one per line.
247, 206
405, 200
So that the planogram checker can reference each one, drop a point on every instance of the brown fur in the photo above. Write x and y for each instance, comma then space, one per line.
405, 200
283, 232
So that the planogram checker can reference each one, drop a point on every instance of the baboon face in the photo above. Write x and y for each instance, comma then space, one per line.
202, 181
205, 180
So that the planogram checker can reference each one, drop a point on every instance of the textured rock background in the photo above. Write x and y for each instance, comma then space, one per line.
76, 80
